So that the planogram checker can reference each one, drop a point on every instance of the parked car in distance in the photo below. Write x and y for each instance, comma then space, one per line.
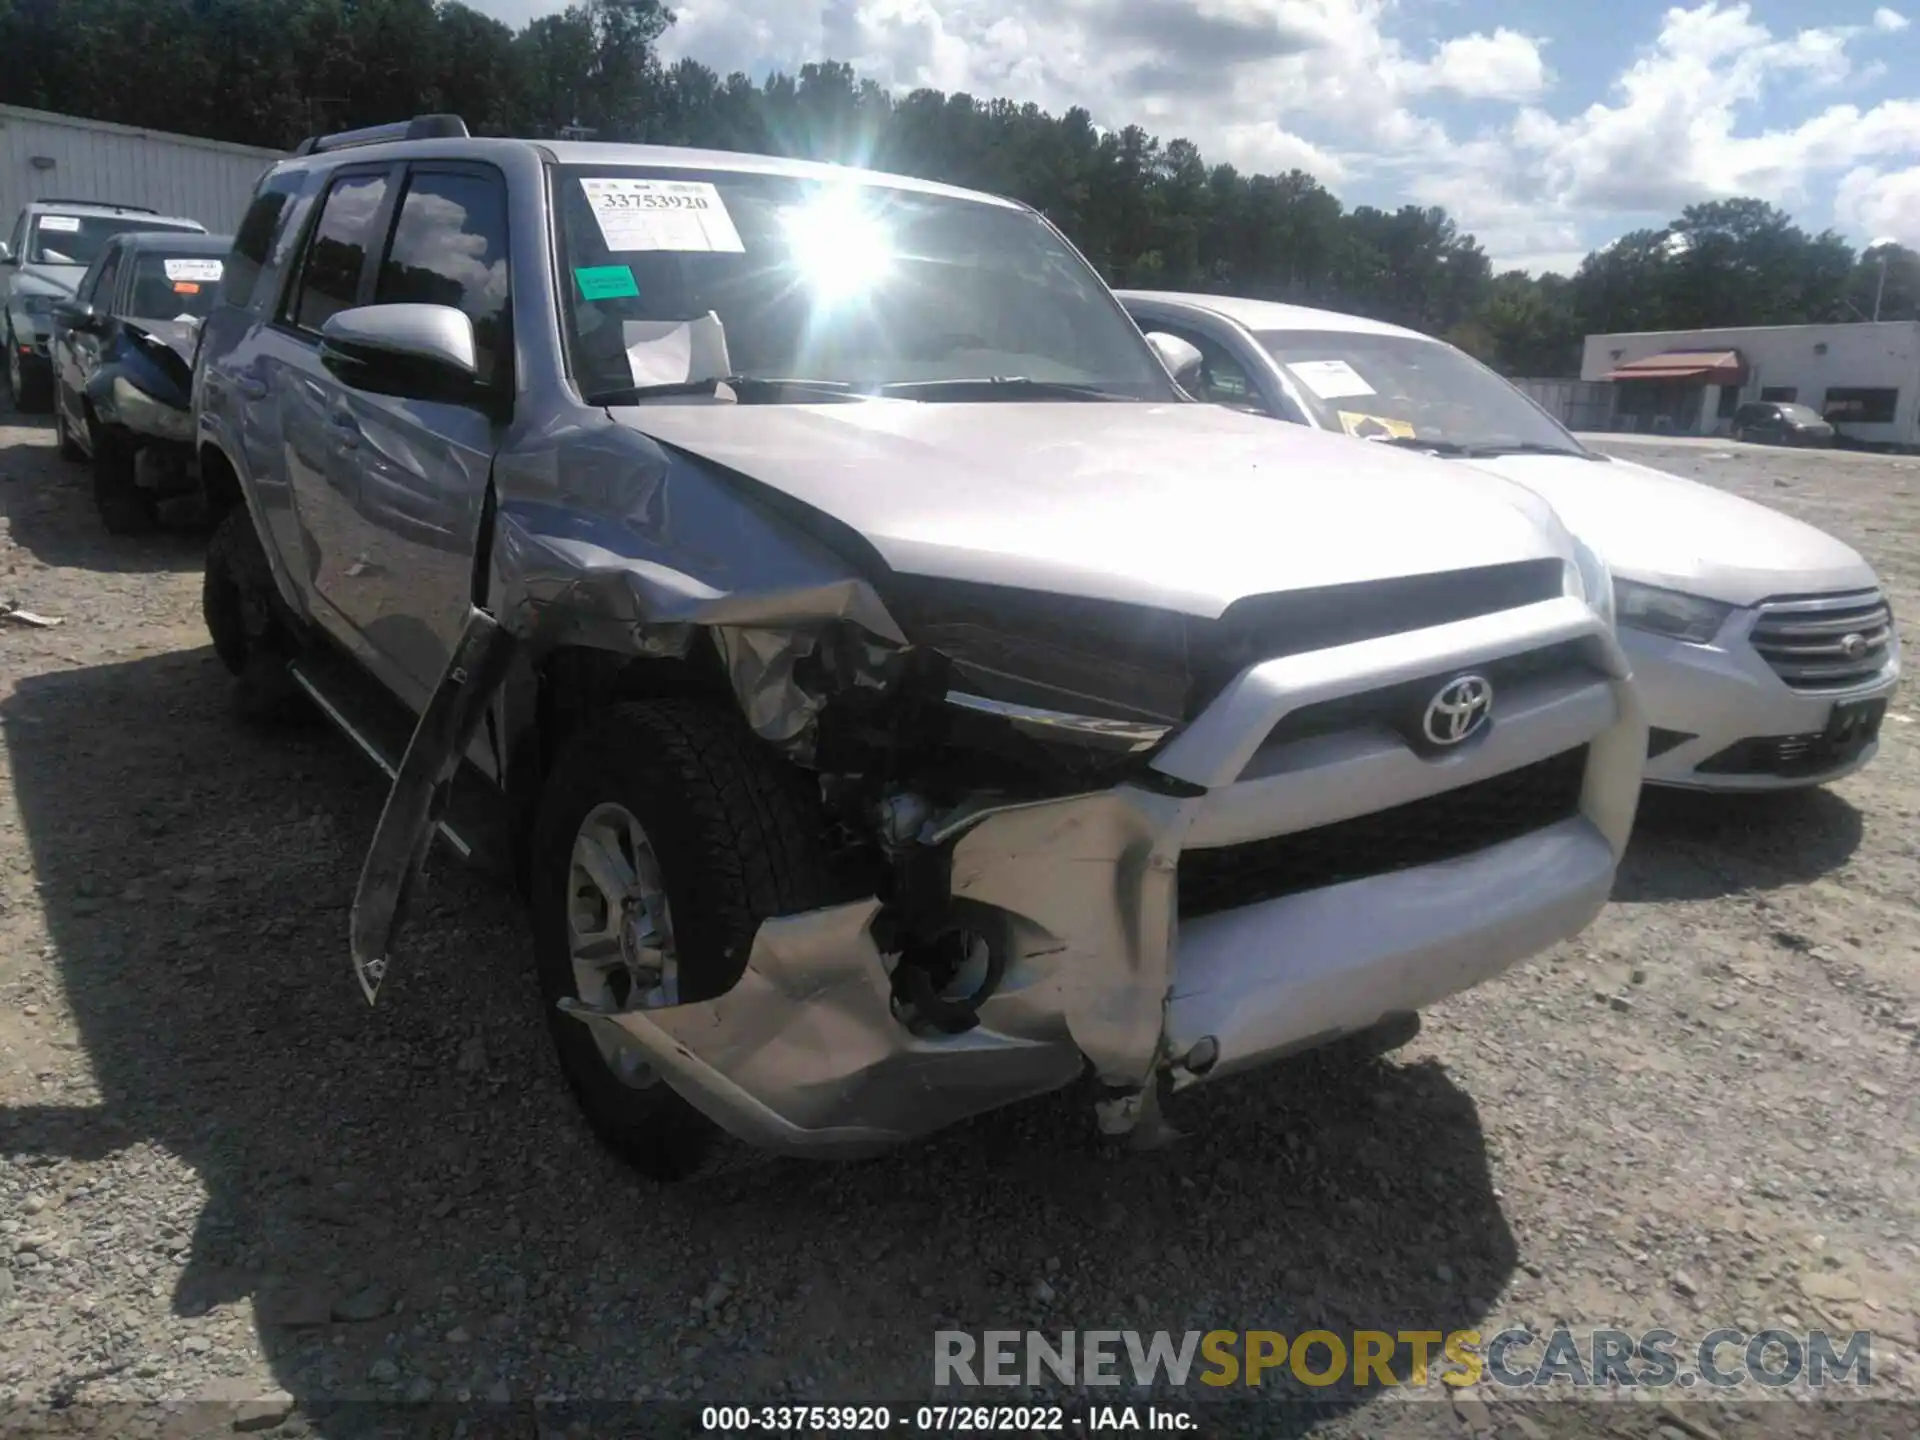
893, 695
122, 353
1764, 649
41, 262
1779, 422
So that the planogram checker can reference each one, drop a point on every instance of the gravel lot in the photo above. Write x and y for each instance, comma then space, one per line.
223, 1177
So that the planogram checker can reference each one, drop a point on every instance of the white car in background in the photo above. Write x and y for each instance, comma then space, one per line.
1764, 649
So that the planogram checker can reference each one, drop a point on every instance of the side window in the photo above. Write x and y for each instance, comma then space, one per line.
450, 248
336, 255
88, 291
105, 278
1862, 404
253, 242
1223, 379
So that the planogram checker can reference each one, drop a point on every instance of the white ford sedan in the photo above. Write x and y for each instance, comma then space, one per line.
1764, 648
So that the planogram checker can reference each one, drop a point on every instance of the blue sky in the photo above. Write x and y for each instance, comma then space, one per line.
1546, 128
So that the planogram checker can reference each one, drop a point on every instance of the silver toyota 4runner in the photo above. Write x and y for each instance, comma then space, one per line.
894, 696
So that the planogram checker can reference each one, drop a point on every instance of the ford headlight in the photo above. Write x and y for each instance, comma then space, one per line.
1595, 579
1692, 618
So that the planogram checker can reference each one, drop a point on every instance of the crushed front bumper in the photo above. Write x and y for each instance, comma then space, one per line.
805, 1055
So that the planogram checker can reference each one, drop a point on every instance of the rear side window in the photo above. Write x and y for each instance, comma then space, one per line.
450, 248
329, 278
253, 242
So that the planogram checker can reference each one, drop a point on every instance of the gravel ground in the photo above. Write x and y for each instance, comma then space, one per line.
223, 1177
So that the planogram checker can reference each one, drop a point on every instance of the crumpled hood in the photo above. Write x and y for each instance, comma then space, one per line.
1184, 506
1663, 530
179, 336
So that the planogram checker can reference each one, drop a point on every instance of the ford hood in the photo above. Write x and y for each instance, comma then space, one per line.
1185, 506
1660, 529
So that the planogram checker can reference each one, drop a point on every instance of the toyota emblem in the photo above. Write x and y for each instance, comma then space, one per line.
1460, 711
1853, 646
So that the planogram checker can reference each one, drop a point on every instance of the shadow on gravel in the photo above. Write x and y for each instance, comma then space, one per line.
48, 505
196, 879
1691, 845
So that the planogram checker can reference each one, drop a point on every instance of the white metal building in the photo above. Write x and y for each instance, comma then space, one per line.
47, 155
1864, 377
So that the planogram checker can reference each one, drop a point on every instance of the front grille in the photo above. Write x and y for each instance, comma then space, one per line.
1447, 826
1795, 757
1832, 643
1401, 707
1267, 627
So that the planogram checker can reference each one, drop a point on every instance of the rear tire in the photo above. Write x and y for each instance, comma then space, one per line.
125, 509
251, 630
735, 837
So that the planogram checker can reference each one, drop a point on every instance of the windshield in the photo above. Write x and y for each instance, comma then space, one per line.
1398, 388
848, 287
77, 239
1799, 413
174, 287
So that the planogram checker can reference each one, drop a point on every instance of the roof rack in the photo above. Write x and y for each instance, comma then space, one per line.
421, 127
96, 204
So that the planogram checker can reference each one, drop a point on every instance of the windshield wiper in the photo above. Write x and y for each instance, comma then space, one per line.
746, 387
1458, 450
1532, 447
993, 387
1438, 447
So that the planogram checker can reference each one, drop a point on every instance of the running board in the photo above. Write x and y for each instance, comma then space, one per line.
367, 747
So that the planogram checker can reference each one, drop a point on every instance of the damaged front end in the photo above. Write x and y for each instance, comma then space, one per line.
1019, 780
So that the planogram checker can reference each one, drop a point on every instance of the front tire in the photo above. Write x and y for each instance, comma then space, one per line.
68, 446
248, 623
29, 380
666, 833
125, 509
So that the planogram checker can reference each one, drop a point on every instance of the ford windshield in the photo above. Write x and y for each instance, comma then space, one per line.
1412, 392
803, 291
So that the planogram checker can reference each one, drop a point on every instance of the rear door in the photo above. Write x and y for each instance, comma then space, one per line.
423, 465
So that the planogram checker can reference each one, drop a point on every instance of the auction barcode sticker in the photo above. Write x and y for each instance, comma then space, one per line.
661, 215
207, 270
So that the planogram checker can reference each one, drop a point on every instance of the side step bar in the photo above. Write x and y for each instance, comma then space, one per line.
366, 745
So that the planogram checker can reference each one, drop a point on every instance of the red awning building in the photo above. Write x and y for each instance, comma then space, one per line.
1702, 367
1682, 392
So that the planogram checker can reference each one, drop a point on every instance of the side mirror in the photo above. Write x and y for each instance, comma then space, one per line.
79, 315
1183, 362
420, 352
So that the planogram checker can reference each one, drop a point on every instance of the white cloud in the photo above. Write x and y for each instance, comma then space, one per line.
1718, 103
1505, 65
1881, 204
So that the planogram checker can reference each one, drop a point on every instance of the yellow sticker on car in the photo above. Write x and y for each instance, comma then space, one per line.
1374, 427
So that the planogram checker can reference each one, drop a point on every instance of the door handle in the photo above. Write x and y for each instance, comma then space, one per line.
252, 388
346, 429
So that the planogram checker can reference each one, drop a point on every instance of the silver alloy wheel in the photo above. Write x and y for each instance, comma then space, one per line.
619, 933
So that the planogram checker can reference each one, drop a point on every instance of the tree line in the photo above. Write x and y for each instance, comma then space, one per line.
1147, 213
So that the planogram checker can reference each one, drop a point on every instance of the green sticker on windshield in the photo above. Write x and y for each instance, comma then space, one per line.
606, 282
